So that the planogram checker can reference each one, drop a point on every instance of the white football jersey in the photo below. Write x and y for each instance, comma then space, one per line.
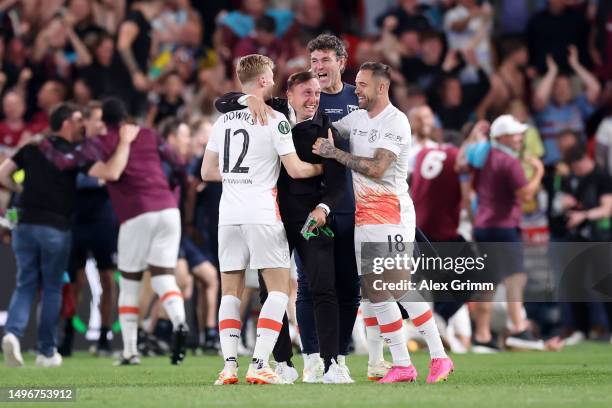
385, 200
249, 163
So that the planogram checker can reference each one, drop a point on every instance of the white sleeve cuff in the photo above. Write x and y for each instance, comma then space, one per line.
243, 99
325, 208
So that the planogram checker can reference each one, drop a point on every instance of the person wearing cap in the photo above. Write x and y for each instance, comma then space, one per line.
501, 187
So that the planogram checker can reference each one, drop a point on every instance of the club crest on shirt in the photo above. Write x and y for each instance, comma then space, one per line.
284, 127
373, 136
351, 108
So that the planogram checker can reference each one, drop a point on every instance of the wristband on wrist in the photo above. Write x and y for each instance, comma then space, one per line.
325, 208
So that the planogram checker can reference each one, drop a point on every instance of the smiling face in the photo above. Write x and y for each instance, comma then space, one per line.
515, 142
368, 89
304, 98
327, 67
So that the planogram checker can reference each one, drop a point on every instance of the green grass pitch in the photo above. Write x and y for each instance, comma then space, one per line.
579, 376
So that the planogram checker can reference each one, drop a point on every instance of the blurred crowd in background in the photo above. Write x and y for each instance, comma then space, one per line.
457, 65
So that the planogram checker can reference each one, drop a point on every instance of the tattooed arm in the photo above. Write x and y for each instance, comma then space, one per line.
373, 167
128, 31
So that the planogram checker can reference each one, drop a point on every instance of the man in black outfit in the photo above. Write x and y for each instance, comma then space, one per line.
130, 62
314, 197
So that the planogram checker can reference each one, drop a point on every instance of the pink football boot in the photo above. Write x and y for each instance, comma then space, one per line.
439, 370
399, 374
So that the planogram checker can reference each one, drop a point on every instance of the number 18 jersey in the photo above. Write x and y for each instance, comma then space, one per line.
384, 200
249, 163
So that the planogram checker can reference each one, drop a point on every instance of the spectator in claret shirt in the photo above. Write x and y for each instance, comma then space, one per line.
501, 187
14, 131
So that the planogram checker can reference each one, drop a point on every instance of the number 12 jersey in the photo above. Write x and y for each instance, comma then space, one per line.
249, 162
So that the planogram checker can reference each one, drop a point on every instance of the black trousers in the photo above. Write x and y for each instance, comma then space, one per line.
347, 289
317, 255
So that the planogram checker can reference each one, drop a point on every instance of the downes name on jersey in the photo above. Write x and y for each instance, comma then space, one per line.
249, 163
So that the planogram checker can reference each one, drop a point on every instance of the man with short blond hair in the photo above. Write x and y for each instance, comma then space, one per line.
251, 66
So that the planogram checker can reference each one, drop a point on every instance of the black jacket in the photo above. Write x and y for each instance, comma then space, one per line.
297, 198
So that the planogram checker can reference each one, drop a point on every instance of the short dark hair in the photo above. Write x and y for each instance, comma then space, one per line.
113, 111
59, 87
325, 42
59, 114
265, 23
575, 153
378, 69
100, 38
431, 35
299, 78
574, 134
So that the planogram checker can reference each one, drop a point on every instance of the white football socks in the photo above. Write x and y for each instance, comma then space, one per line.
129, 294
229, 327
373, 337
392, 330
422, 317
269, 325
170, 297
